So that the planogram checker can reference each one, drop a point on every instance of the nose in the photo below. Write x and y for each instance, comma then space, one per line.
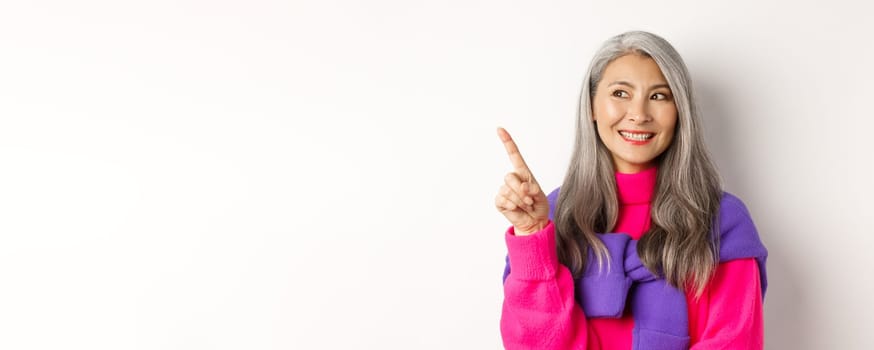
638, 111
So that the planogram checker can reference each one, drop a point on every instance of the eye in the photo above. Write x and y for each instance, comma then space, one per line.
620, 93
659, 96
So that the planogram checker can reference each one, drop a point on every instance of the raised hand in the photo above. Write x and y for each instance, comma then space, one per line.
520, 198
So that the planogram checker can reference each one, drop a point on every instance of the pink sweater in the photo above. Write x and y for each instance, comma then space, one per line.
540, 311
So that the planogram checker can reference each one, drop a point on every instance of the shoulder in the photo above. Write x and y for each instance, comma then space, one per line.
732, 203
739, 239
738, 236
552, 198
732, 212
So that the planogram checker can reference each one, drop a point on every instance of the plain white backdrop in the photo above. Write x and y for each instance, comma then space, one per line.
321, 175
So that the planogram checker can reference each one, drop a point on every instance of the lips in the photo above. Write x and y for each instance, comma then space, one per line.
636, 137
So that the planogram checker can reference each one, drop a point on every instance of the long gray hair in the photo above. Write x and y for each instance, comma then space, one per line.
681, 243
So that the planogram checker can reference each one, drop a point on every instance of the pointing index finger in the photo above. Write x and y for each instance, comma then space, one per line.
513, 152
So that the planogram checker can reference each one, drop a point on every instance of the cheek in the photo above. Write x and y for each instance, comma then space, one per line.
614, 110
667, 118
670, 125
608, 111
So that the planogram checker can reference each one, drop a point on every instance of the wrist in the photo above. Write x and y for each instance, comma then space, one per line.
530, 230
532, 257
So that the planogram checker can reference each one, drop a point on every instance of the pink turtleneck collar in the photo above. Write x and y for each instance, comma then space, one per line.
636, 188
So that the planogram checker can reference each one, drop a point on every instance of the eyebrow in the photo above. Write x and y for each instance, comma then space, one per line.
622, 82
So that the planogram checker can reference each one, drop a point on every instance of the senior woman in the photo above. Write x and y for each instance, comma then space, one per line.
640, 247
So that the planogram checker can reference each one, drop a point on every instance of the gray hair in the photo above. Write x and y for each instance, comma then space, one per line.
681, 243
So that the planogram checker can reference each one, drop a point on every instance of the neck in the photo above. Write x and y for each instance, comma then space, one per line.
638, 187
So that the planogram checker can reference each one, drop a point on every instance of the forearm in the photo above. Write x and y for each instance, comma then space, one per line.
539, 309
734, 318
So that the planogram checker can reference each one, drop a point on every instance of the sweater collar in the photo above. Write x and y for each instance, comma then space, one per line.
636, 188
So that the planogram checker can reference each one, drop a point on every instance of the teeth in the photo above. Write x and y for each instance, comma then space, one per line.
635, 136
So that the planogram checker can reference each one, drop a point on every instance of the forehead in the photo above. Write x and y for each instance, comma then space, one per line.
634, 68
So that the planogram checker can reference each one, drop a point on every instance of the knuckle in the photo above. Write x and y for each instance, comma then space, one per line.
499, 200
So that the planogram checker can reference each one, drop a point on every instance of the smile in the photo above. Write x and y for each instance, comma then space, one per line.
637, 138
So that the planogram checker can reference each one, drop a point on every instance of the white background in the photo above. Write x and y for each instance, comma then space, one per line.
321, 175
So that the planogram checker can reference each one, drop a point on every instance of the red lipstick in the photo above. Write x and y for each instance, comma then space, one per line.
636, 142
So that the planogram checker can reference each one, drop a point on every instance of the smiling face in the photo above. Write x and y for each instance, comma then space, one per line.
634, 111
